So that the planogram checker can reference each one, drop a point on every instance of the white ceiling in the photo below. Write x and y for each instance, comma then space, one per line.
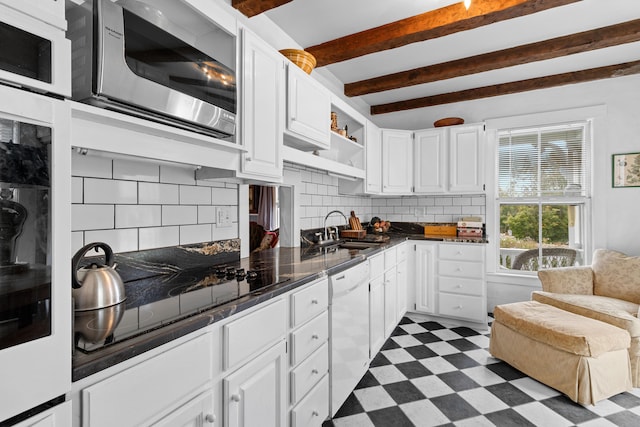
310, 22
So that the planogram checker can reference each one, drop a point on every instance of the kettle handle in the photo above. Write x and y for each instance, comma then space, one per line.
75, 261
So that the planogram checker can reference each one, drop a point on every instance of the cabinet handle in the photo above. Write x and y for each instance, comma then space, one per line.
459, 253
248, 158
340, 278
459, 286
459, 269
315, 413
458, 307
210, 418
314, 301
314, 372
314, 336
235, 398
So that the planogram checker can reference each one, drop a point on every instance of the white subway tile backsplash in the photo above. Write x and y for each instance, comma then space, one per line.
90, 166
158, 194
190, 195
91, 217
226, 232
129, 216
206, 214
443, 201
108, 191
77, 241
133, 170
76, 190
409, 201
195, 233
452, 210
462, 201
159, 237
435, 210
178, 215
426, 201
124, 240
224, 196
178, 174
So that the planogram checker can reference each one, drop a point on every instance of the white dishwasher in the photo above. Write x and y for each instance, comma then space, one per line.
349, 314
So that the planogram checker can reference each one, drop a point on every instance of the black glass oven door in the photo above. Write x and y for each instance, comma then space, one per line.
25, 232
24, 53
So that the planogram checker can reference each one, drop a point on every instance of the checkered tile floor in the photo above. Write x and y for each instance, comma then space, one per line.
430, 375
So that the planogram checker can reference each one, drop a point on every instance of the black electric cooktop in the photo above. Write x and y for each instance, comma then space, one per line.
155, 301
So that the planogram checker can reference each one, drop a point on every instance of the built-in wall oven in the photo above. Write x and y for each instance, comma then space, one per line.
35, 290
34, 53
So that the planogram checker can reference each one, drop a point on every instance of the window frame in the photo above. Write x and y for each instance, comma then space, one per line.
582, 200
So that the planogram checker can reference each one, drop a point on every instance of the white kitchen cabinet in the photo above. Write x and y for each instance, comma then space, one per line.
373, 150
390, 301
424, 267
50, 12
198, 412
376, 315
401, 281
58, 416
262, 108
430, 161
397, 161
308, 119
151, 390
255, 394
466, 159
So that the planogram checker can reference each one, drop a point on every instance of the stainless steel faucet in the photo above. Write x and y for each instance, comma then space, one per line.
326, 234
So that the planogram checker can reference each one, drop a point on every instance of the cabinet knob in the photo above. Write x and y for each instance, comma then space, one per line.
315, 413
247, 158
459, 253
210, 418
235, 398
314, 336
459, 269
314, 372
459, 286
459, 307
314, 301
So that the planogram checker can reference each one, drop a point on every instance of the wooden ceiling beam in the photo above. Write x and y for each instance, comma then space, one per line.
437, 23
255, 7
613, 35
618, 70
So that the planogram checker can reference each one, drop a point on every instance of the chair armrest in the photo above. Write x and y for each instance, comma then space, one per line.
567, 280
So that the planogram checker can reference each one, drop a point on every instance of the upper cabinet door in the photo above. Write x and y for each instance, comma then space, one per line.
430, 161
466, 159
373, 149
308, 111
397, 152
262, 107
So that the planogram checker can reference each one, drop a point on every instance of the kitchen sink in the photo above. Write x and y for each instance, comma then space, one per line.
359, 245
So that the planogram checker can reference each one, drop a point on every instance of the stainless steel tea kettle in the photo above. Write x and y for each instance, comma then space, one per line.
101, 285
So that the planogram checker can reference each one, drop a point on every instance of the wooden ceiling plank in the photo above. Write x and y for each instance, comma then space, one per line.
429, 25
611, 71
255, 7
613, 35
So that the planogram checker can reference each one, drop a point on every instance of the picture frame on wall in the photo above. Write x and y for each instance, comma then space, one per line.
625, 169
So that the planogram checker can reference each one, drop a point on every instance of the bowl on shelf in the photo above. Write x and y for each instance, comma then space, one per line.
301, 58
448, 121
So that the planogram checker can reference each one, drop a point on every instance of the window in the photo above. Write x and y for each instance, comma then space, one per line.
543, 196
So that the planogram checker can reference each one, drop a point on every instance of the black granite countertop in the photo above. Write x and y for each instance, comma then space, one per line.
295, 267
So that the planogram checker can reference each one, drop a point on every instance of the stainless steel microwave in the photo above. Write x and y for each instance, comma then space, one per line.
130, 57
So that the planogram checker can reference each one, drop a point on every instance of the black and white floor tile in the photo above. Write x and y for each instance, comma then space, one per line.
429, 375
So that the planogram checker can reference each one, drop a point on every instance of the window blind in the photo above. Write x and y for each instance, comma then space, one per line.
542, 162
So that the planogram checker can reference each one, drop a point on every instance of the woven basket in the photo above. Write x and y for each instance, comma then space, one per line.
302, 59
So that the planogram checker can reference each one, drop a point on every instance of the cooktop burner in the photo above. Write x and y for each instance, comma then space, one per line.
159, 300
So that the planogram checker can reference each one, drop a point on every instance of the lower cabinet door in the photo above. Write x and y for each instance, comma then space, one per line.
390, 302
314, 408
254, 395
376, 316
198, 412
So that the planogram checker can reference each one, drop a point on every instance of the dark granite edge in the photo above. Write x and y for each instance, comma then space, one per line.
88, 364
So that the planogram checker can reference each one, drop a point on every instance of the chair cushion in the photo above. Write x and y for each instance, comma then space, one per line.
616, 275
613, 311
562, 329
567, 280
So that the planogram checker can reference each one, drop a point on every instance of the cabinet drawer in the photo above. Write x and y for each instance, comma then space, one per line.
309, 302
141, 393
468, 252
254, 332
314, 409
401, 251
473, 270
309, 337
457, 285
309, 372
462, 306
390, 258
376, 266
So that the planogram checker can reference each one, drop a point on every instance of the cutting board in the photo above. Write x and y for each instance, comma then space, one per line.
354, 222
